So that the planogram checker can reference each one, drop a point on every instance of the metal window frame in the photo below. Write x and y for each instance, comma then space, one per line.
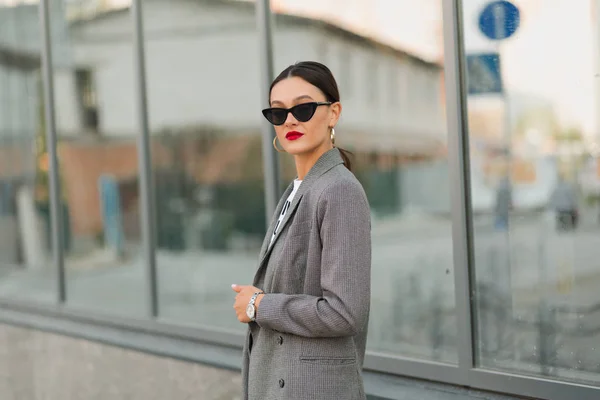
466, 373
272, 179
458, 160
146, 186
56, 219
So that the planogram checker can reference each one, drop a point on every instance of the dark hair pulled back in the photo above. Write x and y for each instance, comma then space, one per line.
321, 77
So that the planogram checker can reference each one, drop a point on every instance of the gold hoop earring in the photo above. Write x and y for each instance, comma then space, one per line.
332, 136
275, 145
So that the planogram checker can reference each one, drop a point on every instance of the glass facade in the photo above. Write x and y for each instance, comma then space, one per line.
393, 123
534, 182
202, 69
475, 130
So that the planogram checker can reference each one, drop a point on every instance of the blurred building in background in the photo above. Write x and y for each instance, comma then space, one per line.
391, 98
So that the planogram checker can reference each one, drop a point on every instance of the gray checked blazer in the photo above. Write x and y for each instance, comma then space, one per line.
308, 341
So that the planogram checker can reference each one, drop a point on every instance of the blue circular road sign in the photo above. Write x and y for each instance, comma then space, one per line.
499, 20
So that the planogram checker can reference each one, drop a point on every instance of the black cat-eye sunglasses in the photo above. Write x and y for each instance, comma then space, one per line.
302, 112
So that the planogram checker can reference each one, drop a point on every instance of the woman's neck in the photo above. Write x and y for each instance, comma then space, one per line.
305, 161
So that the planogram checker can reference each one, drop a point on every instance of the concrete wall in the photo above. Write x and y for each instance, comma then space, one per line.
36, 365
42, 366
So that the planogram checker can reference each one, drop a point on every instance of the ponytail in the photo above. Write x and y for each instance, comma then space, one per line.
346, 157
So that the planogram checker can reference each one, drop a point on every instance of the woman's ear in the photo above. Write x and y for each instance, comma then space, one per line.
336, 111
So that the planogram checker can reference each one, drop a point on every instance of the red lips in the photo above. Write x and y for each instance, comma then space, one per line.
293, 135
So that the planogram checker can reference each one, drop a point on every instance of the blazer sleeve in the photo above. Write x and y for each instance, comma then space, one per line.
343, 309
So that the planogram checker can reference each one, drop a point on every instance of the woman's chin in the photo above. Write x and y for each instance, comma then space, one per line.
300, 149
297, 149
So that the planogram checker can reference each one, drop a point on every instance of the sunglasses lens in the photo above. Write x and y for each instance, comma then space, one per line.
304, 112
276, 116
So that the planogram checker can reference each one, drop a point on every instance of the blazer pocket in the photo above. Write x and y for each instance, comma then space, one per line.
328, 351
328, 360
300, 228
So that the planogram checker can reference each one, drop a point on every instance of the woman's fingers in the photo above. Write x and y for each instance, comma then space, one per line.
237, 288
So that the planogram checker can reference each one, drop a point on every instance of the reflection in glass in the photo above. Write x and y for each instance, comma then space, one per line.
98, 128
204, 99
393, 122
26, 267
535, 180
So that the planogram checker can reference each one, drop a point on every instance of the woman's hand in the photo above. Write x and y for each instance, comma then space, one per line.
244, 293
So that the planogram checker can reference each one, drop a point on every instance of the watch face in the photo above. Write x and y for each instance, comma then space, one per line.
250, 311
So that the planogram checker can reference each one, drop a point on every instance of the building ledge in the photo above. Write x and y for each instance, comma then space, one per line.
164, 340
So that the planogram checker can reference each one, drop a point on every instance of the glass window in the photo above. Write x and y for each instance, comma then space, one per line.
534, 122
371, 80
399, 158
204, 105
346, 72
86, 98
421, 85
393, 87
97, 125
403, 87
322, 47
26, 266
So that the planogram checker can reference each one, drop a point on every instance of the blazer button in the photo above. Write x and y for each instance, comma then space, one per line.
281, 383
280, 340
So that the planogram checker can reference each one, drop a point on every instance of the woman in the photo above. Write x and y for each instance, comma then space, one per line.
308, 308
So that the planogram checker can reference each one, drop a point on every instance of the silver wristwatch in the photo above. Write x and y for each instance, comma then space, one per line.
251, 308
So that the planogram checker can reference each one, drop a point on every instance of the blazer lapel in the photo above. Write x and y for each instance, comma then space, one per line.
290, 211
267, 245
327, 161
274, 219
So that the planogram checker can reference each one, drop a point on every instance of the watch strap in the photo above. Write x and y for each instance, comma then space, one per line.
252, 301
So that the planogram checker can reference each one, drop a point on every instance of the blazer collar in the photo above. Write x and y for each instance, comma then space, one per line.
327, 161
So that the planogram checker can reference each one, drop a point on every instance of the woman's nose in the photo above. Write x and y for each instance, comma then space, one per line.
290, 119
